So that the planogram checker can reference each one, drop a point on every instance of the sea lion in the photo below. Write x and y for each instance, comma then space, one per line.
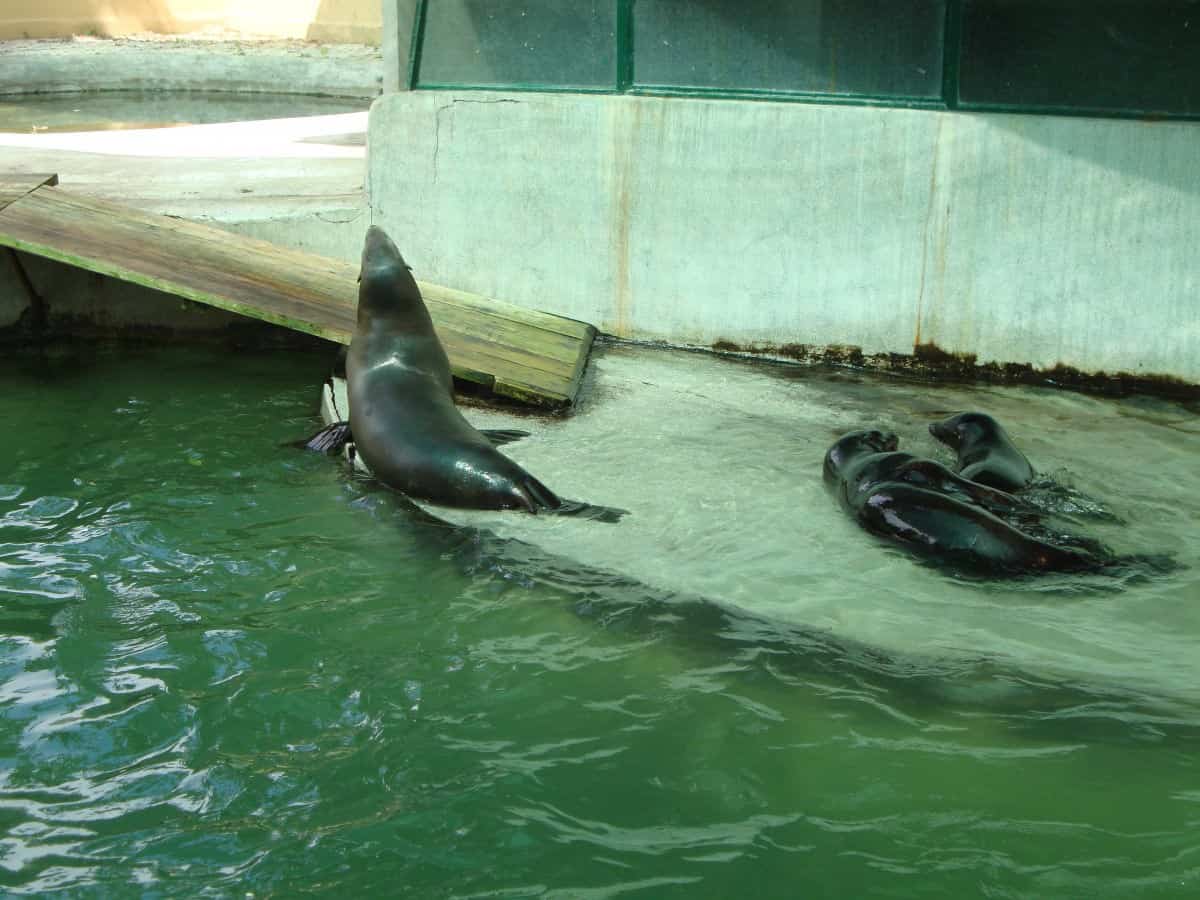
986, 454
923, 506
403, 420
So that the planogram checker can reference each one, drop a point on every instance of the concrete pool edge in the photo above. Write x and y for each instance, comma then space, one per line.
931, 364
182, 64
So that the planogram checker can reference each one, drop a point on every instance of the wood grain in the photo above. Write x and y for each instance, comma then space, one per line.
14, 186
530, 356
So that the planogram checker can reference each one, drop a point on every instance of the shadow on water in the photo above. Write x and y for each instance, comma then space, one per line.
912, 688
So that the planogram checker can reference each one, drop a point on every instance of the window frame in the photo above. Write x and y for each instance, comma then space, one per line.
625, 82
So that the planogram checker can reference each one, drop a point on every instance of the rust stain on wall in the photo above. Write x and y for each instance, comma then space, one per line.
624, 140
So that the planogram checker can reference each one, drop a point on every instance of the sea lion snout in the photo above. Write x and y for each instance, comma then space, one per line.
380, 255
985, 452
944, 431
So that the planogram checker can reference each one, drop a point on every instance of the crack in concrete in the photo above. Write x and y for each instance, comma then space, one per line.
437, 124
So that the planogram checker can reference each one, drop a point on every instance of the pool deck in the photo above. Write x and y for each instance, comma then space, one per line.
296, 182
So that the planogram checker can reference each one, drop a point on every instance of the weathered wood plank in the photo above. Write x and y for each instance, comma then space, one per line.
529, 356
14, 186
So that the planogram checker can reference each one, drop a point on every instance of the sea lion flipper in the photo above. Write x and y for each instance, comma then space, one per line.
539, 500
928, 473
330, 439
992, 499
581, 510
501, 436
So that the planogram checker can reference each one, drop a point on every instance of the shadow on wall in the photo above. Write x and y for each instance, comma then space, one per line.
347, 22
1163, 153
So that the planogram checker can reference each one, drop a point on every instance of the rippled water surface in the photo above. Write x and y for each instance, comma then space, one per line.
228, 668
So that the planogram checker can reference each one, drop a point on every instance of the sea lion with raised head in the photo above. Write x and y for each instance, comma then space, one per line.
986, 454
403, 420
923, 506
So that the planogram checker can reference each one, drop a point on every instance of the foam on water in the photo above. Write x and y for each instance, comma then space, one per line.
228, 667
719, 463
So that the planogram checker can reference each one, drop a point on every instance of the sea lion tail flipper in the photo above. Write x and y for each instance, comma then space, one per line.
540, 499
579, 509
1143, 565
501, 436
330, 439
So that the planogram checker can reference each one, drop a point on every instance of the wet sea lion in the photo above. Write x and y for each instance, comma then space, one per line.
403, 420
986, 454
922, 505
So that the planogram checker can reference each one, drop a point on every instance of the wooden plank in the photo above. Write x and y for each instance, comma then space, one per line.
14, 186
530, 356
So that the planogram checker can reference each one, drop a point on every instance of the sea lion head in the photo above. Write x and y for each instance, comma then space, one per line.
850, 447
386, 287
964, 429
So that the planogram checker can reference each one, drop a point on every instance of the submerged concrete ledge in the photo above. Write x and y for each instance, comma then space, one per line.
1026, 240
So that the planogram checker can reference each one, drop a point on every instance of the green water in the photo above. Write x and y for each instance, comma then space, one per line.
228, 669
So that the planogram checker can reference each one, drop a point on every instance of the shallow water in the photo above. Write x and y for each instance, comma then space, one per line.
229, 668
720, 464
158, 109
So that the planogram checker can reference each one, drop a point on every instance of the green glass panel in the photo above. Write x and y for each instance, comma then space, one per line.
1100, 55
519, 44
878, 48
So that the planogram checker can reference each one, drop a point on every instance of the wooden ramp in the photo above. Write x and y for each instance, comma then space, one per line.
529, 356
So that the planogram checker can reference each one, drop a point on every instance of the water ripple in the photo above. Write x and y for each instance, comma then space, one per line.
225, 668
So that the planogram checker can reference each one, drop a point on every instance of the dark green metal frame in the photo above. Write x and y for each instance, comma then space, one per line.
625, 82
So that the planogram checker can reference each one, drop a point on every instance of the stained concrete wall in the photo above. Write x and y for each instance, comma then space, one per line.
1038, 240
332, 21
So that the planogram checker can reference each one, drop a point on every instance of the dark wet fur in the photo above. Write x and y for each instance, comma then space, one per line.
332, 438
407, 428
953, 522
986, 454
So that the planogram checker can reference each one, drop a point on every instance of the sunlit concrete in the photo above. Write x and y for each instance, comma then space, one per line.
297, 182
1025, 239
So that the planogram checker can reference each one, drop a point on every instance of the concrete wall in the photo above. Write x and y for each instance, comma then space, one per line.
1038, 240
332, 21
